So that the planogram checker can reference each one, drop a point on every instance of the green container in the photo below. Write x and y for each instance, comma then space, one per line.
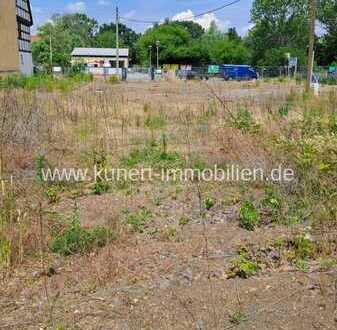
332, 69
213, 69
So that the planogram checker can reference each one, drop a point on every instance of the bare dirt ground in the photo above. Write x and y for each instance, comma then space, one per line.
175, 273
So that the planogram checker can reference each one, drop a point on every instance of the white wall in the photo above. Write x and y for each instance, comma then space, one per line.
26, 63
103, 71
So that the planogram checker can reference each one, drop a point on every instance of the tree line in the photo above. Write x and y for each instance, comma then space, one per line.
279, 27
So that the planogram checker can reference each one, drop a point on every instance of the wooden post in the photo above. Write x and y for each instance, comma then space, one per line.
312, 14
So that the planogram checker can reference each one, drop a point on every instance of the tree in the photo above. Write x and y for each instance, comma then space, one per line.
195, 30
233, 35
65, 32
171, 36
278, 28
106, 38
188, 43
327, 45
225, 48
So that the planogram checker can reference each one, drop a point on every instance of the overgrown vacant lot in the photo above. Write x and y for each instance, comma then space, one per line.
168, 255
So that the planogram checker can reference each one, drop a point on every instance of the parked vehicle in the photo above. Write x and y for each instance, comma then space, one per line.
238, 72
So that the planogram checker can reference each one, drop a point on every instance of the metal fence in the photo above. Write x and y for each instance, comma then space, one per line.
175, 72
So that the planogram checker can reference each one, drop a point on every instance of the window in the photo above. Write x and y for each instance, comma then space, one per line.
23, 32
23, 11
24, 46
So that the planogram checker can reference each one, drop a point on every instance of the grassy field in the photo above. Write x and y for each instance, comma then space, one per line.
168, 254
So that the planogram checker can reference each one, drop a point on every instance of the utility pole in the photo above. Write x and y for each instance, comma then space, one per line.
117, 39
157, 44
312, 14
50, 52
150, 56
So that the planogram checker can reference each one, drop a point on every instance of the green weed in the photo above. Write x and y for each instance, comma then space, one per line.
52, 194
273, 204
5, 252
138, 221
249, 216
244, 121
209, 203
284, 110
243, 267
77, 240
40, 164
154, 155
44, 82
155, 122
100, 162
237, 318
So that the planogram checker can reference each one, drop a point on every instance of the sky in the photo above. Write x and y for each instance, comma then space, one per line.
237, 15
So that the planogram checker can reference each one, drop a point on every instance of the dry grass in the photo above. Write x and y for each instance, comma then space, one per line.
172, 272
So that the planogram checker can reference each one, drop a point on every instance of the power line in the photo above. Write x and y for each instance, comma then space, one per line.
214, 10
133, 20
187, 18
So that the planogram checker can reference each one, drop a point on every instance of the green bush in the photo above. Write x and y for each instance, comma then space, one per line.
77, 240
249, 216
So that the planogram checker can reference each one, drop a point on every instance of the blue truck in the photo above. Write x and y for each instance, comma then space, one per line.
238, 72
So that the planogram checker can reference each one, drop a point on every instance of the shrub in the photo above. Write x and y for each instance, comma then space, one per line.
77, 240
249, 216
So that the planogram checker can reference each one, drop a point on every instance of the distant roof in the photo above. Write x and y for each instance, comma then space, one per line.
100, 52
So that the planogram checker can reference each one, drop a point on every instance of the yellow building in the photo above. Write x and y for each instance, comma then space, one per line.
15, 41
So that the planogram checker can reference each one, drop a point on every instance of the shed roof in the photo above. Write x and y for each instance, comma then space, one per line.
100, 52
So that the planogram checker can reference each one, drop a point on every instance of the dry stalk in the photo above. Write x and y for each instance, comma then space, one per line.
206, 253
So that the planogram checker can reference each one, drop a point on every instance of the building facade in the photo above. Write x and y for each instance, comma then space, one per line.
15, 40
100, 57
